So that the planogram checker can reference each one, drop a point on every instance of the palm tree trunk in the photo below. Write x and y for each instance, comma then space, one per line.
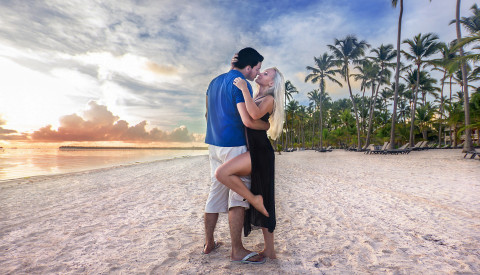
397, 76
313, 129
363, 108
321, 123
286, 124
385, 101
412, 121
441, 110
451, 89
373, 99
372, 108
454, 138
359, 148
467, 146
303, 130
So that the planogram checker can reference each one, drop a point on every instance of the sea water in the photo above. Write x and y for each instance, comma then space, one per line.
19, 163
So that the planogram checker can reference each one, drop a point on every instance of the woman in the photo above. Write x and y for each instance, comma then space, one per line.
259, 161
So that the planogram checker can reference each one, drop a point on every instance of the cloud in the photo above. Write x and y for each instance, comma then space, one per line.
99, 124
152, 60
137, 68
7, 134
161, 69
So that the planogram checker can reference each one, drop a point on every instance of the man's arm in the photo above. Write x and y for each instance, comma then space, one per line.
248, 121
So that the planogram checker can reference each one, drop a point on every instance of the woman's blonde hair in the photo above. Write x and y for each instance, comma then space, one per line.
278, 114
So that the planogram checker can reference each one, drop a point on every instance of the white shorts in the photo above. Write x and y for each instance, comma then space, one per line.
221, 198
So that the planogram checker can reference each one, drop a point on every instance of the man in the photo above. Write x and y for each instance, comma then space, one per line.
226, 118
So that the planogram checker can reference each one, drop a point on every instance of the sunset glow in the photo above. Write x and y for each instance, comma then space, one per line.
123, 73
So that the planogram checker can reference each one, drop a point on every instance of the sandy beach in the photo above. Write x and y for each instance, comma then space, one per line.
337, 213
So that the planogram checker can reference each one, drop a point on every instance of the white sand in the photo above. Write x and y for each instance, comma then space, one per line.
340, 212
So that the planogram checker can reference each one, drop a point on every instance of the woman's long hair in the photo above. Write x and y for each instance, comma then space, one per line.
278, 114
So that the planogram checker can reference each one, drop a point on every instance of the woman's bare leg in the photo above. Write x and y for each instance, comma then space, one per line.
229, 174
269, 248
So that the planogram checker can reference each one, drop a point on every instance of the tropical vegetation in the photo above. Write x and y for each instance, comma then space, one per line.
434, 94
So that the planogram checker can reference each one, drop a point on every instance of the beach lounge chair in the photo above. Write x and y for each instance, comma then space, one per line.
404, 147
416, 145
473, 154
383, 150
369, 148
447, 146
433, 146
323, 150
424, 145
351, 148
402, 150
419, 146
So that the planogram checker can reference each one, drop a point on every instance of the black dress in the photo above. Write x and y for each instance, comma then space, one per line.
263, 179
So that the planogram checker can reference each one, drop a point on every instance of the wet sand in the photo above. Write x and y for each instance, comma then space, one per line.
337, 213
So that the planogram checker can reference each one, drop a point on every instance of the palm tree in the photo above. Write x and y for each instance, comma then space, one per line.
467, 146
301, 113
368, 75
291, 111
383, 56
402, 105
444, 65
289, 91
346, 51
385, 95
421, 47
323, 70
311, 108
426, 86
397, 74
424, 117
471, 23
453, 119
313, 97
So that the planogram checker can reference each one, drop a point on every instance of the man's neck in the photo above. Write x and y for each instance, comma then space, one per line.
241, 71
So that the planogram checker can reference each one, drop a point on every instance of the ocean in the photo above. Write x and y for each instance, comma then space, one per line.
20, 163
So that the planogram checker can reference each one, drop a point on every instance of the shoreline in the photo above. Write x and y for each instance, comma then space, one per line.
128, 148
337, 213
88, 170
27, 163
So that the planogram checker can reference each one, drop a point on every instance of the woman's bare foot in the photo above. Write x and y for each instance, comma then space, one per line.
257, 202
269, 254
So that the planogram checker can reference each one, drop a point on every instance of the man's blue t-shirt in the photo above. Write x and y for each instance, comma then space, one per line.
224, 124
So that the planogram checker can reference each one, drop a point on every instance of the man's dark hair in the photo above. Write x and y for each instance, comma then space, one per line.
248, 57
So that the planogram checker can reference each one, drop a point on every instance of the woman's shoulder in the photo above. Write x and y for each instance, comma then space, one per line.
267, 101
267, 97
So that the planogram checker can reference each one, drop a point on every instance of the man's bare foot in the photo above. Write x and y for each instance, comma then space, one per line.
207, 248
268, 254
257, 202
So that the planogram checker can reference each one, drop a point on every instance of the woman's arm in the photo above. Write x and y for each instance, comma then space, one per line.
256, 112
248, 121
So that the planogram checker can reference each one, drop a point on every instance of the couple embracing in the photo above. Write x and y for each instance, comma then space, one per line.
241, 156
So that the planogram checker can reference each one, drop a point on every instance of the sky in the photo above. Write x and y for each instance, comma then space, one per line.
136, 72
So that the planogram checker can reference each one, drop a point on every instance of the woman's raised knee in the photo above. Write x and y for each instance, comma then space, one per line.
220, 174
